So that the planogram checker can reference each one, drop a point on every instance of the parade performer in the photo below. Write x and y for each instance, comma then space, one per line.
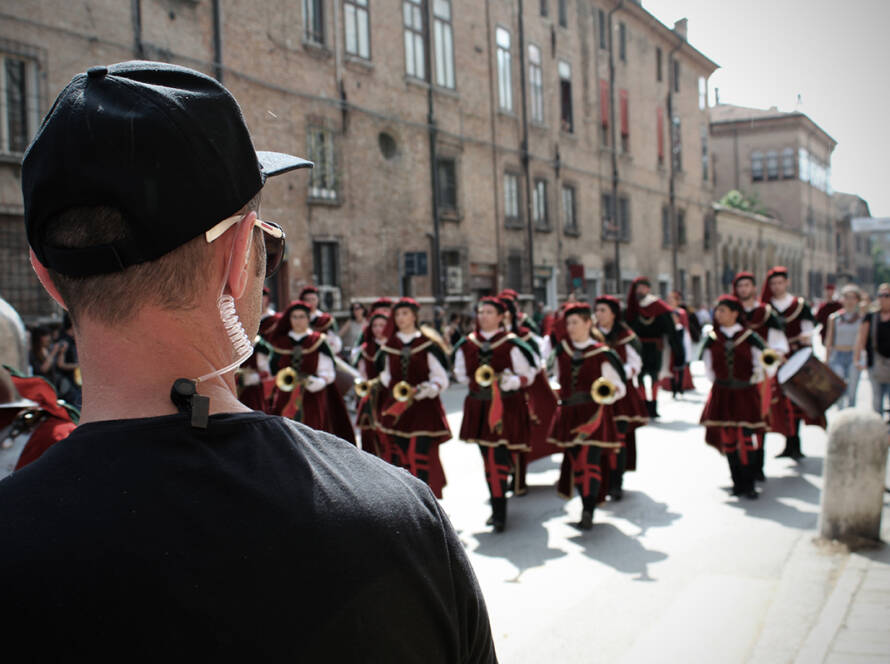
413, 371
319, 320
254, 385
591, 379
733, 362
303, 366
496, 365
759, 317
826, 309
680, 380
799, 324
650, 318
630, 411
539, 396
368, 408
523, 319
32, 419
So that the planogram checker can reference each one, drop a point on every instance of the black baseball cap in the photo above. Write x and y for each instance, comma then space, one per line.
164, 144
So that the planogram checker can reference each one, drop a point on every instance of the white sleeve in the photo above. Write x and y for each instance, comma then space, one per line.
438, 375
610, 373
806, 329
546, 349
709, 367
385, 376
521, 366
777, 340
363, 368
460, 367
325, 369
262, 363
334, 341
634, 364
756, 364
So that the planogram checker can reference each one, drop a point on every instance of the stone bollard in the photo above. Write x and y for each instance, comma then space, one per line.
853, 477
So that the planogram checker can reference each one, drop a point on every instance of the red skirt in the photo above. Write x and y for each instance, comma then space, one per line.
631, 408
424, 417
570, 417
728, 411
542, 405
313, 411
515, 422
688, 385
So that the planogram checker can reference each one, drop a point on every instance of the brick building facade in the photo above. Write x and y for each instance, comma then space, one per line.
417, 114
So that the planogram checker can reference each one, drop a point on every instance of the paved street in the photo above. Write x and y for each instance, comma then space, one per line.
679, 571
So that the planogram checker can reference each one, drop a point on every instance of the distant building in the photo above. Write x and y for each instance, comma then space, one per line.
784, 159
855, 263
460, 148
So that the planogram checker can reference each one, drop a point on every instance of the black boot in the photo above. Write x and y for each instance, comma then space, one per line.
499, 514
796, 453
757, 465
616, 477
788, 447
735, 472
588, 503
747, 487
650, 408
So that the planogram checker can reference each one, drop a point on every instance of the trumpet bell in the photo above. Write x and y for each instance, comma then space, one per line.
484, 376
78, 377
286, 379
603, 391
402, 391
769, 357
362, 387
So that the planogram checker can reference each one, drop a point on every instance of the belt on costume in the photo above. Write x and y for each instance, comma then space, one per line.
577, 399
733, 384
658, 341
485, 394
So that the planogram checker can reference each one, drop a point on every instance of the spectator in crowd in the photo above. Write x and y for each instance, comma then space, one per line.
453, 331
44, 354
874, 337
68, 370
841, 332
351, 333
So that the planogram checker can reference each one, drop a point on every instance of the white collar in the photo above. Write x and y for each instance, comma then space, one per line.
731, 331
489, 335
380, 340
648, 299
315, 314
298, 337
753, 306
584, 344
785, 302
605, 331
407, 338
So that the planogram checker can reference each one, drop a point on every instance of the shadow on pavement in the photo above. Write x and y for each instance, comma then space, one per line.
642, 511
608, 545
675, 425
769, 505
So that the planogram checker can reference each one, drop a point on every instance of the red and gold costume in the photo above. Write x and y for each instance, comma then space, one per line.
583, 427
733, 413
417, 425
368, 408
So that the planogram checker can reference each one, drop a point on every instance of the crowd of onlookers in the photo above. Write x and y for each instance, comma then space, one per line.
53, 356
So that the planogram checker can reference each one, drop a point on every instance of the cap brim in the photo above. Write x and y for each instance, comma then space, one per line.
276, 163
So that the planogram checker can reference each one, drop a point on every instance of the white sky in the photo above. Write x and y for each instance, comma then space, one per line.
835, 55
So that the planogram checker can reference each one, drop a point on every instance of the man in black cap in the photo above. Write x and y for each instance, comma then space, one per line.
175, 520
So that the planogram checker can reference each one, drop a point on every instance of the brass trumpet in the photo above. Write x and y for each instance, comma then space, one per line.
363, 387
603, 391
78, 377
286, 379
769, 357
403, 391
484, 375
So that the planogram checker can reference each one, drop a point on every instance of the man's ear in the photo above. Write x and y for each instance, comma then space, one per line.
242, 250
45, 280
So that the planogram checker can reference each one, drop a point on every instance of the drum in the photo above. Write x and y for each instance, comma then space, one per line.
809, 383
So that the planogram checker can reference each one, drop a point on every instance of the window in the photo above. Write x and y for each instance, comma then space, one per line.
601, 21
604, 111
539, 204
326, 263
569, 219
659, 134
313, 21
412, 17
563, 13
803, 168
505, 78
622, 42
446, 184
709, 231
565, 96
702, 93
658, 64
514, 272
18, 104
772, 165
609, 229
511, 199
622, 229
704, 153
544, 8
681, 228
624, 113
624, 218
676, 144
358, 36
756, 166
323, 181
444, 43
536, 85
676, 76
454, 272
665, 226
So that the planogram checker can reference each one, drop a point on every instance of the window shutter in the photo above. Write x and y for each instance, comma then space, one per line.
604, 101
659, 112
625, 124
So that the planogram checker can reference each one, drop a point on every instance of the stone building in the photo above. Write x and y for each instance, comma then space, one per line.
784, 159
460, 146
855, 263
754, 243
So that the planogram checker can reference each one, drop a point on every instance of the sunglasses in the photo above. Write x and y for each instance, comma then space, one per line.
273, 235
883, 294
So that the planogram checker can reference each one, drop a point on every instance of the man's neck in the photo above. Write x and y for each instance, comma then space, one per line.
128, 370
749, 303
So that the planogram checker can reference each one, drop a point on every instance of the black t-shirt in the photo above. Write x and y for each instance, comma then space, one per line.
874, 318
256, 539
